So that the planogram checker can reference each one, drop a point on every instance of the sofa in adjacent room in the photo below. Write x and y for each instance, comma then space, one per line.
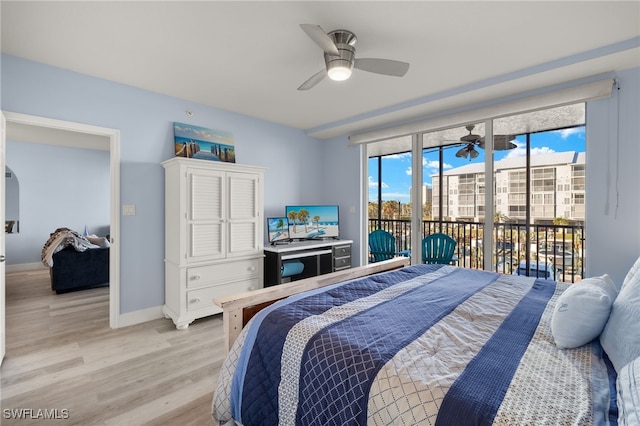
78, 270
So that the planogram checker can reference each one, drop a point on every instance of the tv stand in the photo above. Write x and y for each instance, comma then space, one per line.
304, 259
276, 243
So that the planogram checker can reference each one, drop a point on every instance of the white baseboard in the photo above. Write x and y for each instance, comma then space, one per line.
137, 317
24, 267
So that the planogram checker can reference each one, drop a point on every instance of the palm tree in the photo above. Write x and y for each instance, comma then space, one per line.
389, 209
280, 224
561, 221
316, 219
426, 210
303, 216
292, 218
499, 217
407, 210
373, 210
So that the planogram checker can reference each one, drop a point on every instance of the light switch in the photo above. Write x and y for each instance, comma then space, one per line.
128, 210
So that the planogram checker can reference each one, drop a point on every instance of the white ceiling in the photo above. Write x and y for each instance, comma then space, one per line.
249, 57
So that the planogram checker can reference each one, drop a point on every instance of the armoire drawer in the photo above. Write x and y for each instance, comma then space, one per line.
203, 297
222, 273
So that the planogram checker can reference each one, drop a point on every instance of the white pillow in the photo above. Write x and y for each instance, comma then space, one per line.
628, 390
633, 274
101, 242
581, 312
621, 336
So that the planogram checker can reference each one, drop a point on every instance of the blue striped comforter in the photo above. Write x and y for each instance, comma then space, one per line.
427, 344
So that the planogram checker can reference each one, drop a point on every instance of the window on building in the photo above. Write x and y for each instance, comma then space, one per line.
577, 178
516, 211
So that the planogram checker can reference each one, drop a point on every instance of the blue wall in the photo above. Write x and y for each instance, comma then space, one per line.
294, 160
344, 171
612, 225
59, 187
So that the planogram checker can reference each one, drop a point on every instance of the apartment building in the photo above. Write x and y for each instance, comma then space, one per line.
557, 189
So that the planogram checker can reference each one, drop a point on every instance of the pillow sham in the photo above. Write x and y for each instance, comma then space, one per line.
621, 336
628, 390
582, 310
633, 274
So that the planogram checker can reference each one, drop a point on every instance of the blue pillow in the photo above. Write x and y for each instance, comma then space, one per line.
628, 390
582, 310
621, 336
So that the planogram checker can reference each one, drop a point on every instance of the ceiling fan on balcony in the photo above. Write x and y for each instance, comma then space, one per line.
340, 57
500, 143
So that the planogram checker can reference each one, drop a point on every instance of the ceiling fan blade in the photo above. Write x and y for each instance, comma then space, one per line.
471, 138
510, 145
500, 142
313, 80
503, 142
321, 38
382, 66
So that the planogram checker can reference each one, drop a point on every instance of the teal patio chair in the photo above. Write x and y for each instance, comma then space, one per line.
382, 245
438, 248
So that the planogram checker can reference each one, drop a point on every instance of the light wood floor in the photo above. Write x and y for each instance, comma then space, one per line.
61, 354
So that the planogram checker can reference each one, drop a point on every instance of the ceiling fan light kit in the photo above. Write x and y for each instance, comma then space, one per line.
338, 71
339, 67
340, 57
500, 143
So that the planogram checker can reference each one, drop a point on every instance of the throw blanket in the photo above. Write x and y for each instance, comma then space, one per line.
428, 344
61, 238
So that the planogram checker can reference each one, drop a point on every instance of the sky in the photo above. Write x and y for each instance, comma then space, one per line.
396, 169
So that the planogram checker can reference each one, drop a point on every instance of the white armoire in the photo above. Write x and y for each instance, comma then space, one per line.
213, 235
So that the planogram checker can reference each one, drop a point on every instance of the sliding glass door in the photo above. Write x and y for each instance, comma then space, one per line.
454, 178
390, 206
540, 193
537, 168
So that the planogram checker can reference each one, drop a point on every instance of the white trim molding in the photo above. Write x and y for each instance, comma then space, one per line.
113, 138
138, 317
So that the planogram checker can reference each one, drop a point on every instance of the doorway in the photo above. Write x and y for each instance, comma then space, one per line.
22, 127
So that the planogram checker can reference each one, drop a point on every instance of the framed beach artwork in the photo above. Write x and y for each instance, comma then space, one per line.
202, 143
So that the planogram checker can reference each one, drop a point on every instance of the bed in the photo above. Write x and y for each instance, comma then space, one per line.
438, 345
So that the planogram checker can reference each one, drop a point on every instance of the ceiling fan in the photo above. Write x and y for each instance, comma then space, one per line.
340, 57
500, 143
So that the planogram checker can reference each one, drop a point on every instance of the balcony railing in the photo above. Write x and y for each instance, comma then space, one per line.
560, 245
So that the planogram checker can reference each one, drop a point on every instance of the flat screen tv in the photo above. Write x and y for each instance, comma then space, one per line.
313, 222
278, 229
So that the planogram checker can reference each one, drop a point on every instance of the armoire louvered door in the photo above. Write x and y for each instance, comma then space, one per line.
244, 216
206, 214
